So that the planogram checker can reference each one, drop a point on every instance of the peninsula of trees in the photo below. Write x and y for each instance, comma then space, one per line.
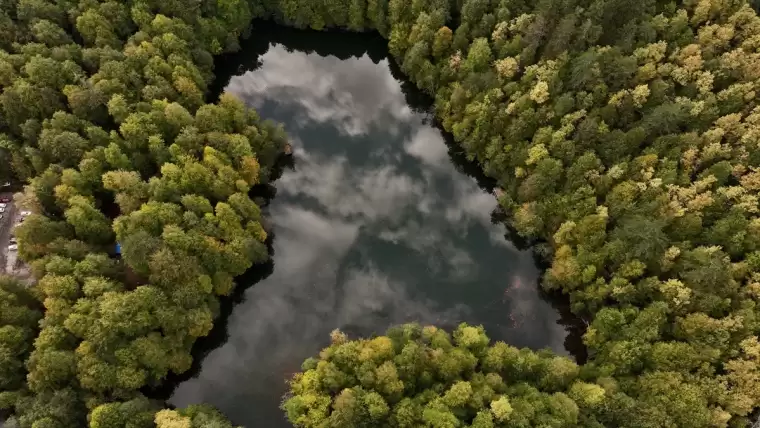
103, 117
625, 138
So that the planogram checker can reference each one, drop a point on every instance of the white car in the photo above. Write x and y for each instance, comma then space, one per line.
2, 210
13, 247
3, 205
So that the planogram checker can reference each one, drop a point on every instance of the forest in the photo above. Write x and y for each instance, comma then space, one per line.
625, 140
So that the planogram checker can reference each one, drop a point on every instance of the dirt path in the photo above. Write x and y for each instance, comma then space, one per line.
6, 225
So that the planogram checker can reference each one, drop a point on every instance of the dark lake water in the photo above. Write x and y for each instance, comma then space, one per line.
376, 223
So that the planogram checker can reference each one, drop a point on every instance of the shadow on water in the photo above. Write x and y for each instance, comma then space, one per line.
344, 47
331, 43
262, 194
219, 334
574, 325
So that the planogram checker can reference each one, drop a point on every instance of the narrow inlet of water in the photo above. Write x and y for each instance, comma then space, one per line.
375, 223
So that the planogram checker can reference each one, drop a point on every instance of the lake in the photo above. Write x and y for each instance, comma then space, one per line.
378, 221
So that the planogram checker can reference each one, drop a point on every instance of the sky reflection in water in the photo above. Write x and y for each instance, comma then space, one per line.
374, 227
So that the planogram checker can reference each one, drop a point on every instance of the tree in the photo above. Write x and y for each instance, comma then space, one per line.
89, 223
19, 315
195, 416
104, 102
135, 413
617, 134
380, 380
479, 56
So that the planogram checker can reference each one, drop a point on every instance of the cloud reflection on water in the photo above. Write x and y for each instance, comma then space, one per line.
349, 98
374, 227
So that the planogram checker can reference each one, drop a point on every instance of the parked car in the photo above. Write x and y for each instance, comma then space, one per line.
2, 210
5, 199
3, 205
13, 247
12, 240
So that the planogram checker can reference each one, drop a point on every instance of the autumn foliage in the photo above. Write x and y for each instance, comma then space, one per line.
423, 376
624, 138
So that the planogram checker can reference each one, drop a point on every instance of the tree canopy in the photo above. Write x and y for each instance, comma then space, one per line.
19, 313
103, 116
624, 139
423, 376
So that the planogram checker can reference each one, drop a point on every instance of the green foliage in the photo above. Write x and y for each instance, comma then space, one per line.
102, 113
417, 376
625, 137
194, 416
135, 413
19, 314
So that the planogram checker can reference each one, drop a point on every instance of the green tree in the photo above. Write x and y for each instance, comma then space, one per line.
19, 314
467, 382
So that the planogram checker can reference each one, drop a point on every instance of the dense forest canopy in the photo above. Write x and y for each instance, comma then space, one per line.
624, 138
104, 118
415, 376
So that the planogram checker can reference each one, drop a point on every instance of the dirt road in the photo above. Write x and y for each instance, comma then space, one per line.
6, 224
9, 261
